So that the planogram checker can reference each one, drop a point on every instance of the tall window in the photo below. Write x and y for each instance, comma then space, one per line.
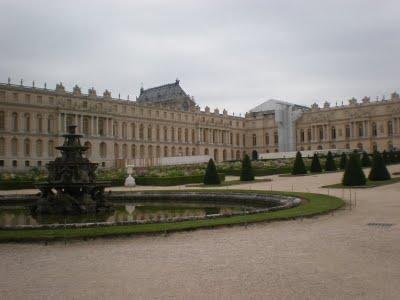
360, 130
115, 129
133, 151
2, 120
85, 125
179, 135
276, 138
141, 131
267, 139
186, 135
27, 147
39, 148
165, 134
27, 122
158, 132
39, 123
333, 132
173, 134
133, 131
124, 151
390, 128
14, 147
254, 140
302, 135
2, 146
50, 124
89, 148
321, 133
103, 149
149, 133
50, 148
124, 131
374, 129
14, 121
347, 131
309, 134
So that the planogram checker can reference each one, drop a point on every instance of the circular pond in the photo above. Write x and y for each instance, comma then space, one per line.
138, 208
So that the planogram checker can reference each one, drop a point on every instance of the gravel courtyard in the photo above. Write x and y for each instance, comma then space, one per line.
335, 256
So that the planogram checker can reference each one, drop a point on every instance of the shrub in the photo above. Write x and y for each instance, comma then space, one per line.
385, 157
298, 166
353, 174
378, 169
315, 164
169, 181
330, 164
392, 157
211, 176
343, 161
246, 173
365, 161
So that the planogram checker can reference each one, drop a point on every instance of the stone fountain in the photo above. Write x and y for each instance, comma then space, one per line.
71, 187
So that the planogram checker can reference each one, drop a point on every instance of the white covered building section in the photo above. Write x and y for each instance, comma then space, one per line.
286, 115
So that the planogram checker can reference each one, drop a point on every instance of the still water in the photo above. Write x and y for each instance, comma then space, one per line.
129, 211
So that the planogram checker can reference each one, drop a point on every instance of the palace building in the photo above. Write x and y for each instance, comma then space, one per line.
165, 121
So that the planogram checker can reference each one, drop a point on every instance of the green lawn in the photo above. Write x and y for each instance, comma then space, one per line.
315, 204
229, 183
369, 184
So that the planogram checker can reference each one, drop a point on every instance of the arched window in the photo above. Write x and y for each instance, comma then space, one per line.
165, 151
89, 148
103, 149
158, 151
2, 146
14, 147
39, 123
187, 151
116, 151
133, 151
27, 122
173, 152
150, 151
193, 151
39, 148
141, 151
14, 121
27, 147
2, 120
374, 129
50, 148
124, 151
206, 151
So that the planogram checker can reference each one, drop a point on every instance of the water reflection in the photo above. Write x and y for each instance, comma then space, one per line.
132, 211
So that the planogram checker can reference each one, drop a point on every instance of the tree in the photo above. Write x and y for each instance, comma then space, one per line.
211, 176
246, 174
330, 164
378, 169
353, 174
315, 164
365, 161
343, 161
298, 166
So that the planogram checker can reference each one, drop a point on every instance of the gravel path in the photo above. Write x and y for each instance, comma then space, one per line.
330, 257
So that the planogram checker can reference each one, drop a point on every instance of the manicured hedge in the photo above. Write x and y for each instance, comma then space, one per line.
16, 184
260, 172
165, 181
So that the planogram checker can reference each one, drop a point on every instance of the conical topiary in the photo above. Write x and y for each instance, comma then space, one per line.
315, 165
353, 174
246, 174
298, 166
385, 157
211, 176
392, 157
343, 161
378, 169
365, 161
330, 164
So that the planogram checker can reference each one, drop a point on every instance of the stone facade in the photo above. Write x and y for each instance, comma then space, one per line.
33, 119
166, 122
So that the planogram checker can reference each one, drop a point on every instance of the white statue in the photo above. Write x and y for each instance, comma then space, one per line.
130, 181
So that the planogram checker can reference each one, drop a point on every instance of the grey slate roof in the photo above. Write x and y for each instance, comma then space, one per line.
167, 92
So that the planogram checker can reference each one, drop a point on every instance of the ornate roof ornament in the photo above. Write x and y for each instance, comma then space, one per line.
327, 104
92, 92
353, 101
394, 96
107, 94
76, 90
315, 106
366, 99
60, 88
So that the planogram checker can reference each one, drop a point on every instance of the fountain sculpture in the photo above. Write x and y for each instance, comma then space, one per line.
71, 187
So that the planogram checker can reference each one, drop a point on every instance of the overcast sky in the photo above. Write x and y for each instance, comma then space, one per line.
227, 54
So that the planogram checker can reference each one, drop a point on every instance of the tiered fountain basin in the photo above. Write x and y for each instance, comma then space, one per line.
131, 208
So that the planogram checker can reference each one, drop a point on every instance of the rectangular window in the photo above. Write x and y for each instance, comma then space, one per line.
1, 163
27, 163
14, 163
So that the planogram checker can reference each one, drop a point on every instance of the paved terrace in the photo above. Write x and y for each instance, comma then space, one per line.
328, 257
